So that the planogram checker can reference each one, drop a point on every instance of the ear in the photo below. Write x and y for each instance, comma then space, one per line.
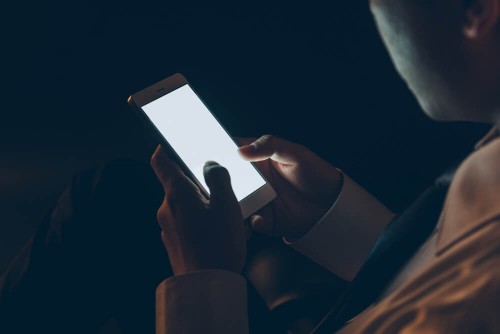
481, 16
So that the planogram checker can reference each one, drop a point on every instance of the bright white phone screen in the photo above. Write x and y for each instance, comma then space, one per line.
197, 137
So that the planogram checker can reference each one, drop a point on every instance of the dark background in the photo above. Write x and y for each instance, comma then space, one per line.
313, 72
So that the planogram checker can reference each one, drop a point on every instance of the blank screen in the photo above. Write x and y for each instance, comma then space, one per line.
197, 137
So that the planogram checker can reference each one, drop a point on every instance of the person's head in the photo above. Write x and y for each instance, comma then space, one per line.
448, 52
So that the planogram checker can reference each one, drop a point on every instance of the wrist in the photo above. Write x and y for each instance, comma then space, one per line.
183, 269
189, 260
323, 207
332, 192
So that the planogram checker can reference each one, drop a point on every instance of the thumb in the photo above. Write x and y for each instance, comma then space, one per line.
218, 182
261, 225
274, 148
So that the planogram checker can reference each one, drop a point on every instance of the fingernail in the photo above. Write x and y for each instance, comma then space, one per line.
256, 220
250, 148
158, 156
210, 163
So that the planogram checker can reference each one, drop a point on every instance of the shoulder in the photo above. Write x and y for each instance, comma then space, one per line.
478, 178
487, 160
473, 199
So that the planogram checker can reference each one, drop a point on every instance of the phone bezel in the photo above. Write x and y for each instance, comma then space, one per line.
250, 204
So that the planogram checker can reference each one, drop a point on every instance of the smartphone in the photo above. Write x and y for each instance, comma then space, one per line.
193, 135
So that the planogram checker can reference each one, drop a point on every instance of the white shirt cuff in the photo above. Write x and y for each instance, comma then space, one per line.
208, 301
342, 240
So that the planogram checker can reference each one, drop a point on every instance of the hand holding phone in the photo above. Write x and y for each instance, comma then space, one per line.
199, 233
193, 135
307, 186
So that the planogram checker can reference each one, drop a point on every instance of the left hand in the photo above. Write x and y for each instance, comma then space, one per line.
305, 184
199, 233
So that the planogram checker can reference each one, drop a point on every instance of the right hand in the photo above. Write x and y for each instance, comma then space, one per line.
306, 186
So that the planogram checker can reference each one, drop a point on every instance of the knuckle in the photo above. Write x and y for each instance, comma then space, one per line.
267, 138
265, 141
162, 215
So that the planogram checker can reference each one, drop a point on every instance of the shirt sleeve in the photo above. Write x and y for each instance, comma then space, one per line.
342, 240
208, 301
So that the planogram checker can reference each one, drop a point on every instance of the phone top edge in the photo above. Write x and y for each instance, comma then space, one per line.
158, 89
130, 100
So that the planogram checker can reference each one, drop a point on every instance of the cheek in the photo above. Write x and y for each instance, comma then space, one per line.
419, 59
402, 51
427, 49
422, 79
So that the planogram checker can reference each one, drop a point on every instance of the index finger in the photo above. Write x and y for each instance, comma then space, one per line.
274, 148
243, 141
165, 168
